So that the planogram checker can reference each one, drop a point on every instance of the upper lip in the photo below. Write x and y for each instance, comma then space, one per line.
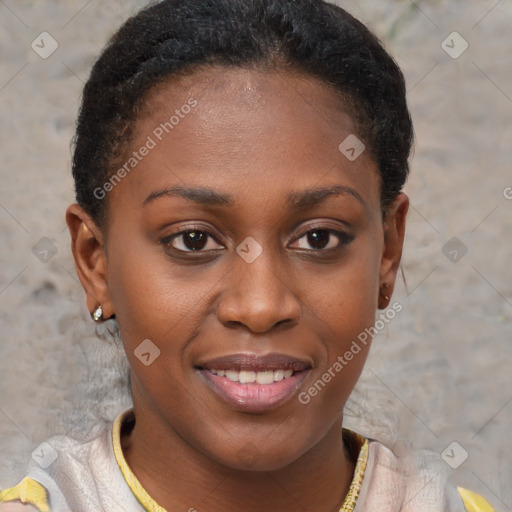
257, 362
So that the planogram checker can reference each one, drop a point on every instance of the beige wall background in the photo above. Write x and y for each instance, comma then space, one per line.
438, 374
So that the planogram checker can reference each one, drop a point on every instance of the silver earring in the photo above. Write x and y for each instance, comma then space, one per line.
98, 314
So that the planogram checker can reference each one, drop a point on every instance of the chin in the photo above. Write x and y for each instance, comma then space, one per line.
250, 458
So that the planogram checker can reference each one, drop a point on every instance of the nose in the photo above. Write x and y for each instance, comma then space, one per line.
256, 296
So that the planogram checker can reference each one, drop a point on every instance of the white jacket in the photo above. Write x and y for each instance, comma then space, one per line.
91, 475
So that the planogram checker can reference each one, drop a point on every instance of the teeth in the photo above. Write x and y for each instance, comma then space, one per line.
249, 377
232, 375
265, 377
246, 377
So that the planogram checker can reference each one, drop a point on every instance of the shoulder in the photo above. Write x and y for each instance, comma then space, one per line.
474, 502
73, 474
413, 481
55, 465
17, 507
27, 496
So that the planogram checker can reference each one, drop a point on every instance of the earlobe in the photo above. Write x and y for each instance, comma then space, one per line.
90, 260
394, 235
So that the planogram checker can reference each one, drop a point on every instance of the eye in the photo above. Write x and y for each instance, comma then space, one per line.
191, 240
323, 239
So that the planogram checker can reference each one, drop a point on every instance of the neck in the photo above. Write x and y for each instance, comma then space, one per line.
180, 477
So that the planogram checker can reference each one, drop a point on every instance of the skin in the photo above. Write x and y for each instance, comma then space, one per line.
257, 136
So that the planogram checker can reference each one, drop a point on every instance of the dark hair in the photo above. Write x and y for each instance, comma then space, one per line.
175, 36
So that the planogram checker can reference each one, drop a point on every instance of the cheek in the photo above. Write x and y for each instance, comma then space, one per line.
346, 308
150, 300
347, 298
157, 312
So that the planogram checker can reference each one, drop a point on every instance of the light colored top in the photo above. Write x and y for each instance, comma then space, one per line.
93, 475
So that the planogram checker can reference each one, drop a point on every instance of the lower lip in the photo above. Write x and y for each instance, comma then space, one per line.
254, 397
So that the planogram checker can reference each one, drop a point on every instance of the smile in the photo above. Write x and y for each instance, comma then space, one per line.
254, 383
249, 377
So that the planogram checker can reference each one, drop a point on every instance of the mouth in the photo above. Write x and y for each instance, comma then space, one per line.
265, 377
255, 383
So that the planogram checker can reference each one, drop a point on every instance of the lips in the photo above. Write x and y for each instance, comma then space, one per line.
256, 363
255, 383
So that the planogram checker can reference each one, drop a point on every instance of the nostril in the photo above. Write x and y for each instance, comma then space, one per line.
233, 324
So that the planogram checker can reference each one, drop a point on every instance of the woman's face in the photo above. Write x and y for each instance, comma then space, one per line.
244, 255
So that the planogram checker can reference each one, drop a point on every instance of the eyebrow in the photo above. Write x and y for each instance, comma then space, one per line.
311, 197
296, 200
199, 195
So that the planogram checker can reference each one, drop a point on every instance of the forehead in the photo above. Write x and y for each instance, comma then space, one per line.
252, 97
244, 130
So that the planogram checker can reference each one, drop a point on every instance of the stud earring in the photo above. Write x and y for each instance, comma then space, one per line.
98, 314
382, 293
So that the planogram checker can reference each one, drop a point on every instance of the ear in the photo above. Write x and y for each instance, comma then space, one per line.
394, 234
90, 259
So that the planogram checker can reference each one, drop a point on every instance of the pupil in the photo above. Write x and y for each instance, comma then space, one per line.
195, 240
316, 237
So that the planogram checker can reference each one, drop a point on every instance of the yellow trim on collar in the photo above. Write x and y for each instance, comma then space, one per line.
474, 502
150, 505
357, 480
29, 492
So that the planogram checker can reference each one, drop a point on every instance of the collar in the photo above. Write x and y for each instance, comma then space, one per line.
357, 443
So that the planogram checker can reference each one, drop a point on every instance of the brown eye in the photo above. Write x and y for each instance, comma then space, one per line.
319, 239
323, 239
191, 241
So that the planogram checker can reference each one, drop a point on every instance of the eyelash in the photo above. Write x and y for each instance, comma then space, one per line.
343, 237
